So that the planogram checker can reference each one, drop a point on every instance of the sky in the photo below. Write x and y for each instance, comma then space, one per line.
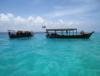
33, 14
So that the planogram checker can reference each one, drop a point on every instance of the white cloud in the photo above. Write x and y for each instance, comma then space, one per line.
10, 15
36, 20
12, 22
30, 19
39, 20
19, 19
4, 17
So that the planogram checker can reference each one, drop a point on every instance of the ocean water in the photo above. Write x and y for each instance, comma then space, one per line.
40, 56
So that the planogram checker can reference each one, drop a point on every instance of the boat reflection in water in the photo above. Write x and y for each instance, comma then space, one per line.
67, 33
19, 34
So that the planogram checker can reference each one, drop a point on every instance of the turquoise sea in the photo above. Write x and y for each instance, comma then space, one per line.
40, 56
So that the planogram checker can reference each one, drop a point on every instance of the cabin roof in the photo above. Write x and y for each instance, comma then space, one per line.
68, 29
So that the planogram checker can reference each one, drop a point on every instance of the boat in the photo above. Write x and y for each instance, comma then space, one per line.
19, 34
67, 33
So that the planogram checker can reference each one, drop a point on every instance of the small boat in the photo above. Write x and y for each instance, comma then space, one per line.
67, 33
19, 34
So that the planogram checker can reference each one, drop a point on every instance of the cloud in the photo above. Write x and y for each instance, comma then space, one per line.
11, 22
54, 14
19, 20
39, 19
77, 8
4, 17
74, 11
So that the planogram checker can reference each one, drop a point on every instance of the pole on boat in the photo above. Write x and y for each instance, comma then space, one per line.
55, 31
69, 32
62, 32
66, 32
73, 32
76, 31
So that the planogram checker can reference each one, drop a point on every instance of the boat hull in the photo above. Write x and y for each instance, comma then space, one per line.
82, 36
22, 36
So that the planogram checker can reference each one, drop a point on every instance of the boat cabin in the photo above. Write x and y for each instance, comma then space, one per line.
66, 33
19, 34
72, 31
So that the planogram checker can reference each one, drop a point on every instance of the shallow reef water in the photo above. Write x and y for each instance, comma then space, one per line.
41, 56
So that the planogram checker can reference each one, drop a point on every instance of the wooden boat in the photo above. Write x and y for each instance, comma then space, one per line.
19, 34
67, 33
